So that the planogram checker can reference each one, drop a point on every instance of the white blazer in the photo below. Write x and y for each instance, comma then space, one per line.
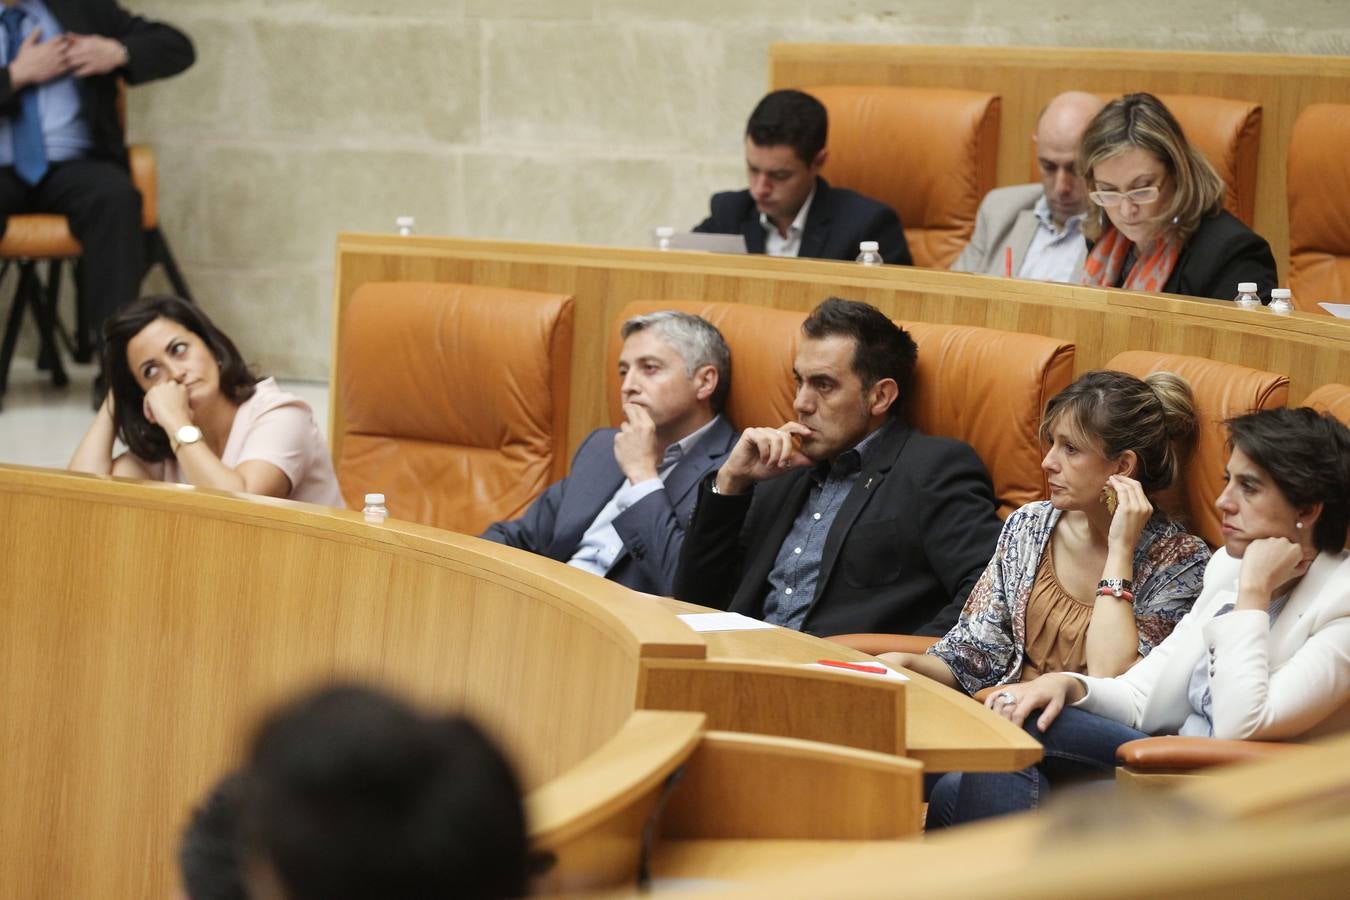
1268, 681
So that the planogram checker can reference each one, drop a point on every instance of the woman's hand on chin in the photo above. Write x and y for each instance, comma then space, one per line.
166, 405
1268, 564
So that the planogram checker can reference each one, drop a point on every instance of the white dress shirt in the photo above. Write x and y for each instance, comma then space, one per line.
777, 245
1054, 254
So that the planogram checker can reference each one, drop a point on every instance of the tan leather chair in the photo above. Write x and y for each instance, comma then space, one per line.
1319, 192
1332, 398
763, 345
930, 153
1222, 390
989, 388
454, 400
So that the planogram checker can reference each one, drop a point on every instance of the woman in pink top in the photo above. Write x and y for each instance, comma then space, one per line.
190, 411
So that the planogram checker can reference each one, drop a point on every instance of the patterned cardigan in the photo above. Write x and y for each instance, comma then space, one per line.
986, 644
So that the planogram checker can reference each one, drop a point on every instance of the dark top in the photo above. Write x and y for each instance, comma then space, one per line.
839, 220
909, 542
1222, 253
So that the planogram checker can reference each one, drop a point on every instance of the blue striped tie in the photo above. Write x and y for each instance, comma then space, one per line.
30, 153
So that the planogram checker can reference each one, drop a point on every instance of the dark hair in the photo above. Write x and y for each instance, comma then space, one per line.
208, 854
1155, 417
882, 349
352, 794
147, 441
1307, 455
698, 342
793, 118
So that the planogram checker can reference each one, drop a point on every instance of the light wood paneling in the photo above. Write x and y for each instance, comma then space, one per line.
1027, 77
1311, 349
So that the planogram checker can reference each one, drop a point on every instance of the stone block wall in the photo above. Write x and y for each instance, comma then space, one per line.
555, 120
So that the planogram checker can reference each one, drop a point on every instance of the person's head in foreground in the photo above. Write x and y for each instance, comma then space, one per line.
1109, 428
854, 368
164, 339
784, 152
354, 794
1146, 180
208, 854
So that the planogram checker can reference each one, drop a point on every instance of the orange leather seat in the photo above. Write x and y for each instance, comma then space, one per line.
1332, 398
1319, 191
930, 153
454, 400
989, 388
1222, 390
763, 344
1228, 132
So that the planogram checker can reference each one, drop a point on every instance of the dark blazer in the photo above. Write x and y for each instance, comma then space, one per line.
156, 50
908, 544
839, 220
652, 529
1220, 254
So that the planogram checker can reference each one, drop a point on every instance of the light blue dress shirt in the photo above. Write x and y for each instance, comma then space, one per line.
64, 130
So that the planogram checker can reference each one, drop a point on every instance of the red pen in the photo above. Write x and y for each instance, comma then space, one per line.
869, 668
1007, 261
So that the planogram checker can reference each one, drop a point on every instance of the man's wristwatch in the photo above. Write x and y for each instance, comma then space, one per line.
188, 434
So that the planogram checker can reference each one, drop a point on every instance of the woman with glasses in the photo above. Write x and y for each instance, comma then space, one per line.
1159, 223
1263, 655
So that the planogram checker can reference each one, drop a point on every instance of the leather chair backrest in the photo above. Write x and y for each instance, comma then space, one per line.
763, 345
1227, 132
454, 399
1332, 398
930, 153
1222, 390
1319, 206
989, 388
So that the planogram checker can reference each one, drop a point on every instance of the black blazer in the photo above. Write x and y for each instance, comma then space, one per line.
839, 220
1222, 253
908, 544
156, 50
652, 529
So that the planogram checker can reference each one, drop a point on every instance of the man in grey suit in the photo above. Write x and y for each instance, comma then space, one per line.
1040, 223
623, 510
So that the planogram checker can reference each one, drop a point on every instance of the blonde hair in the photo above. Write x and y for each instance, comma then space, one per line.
1141, 120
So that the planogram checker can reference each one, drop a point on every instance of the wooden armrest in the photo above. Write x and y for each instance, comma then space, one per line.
885, 643
1181, 754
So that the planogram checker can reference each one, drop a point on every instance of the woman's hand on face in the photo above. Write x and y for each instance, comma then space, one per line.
166, 405
1015, 702
1133, 510
1268, 563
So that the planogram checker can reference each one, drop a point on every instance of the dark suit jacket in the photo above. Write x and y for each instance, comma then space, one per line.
839, 220
156, 50
652, 529
1220, 254
908, 544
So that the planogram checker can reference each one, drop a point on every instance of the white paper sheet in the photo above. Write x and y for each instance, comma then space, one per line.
722, 621
1339, 310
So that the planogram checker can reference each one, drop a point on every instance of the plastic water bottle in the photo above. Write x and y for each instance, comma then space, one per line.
375, 511
405, 225
661, 236
1282, 301
1247, 298
868, 254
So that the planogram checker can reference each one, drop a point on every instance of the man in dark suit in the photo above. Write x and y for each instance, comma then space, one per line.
847, 519
623, 510
789, 209
61, 144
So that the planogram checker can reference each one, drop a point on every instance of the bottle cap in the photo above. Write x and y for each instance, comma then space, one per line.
405, 222
374, 499
1281, 294
1247, 287
869, 246
664, 231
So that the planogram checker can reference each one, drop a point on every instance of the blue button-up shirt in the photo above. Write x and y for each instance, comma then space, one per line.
796, 570
64, 130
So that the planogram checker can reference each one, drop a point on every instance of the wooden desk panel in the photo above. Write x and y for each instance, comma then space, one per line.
1311, 349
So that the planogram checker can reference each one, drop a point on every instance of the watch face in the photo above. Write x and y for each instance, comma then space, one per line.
189, 434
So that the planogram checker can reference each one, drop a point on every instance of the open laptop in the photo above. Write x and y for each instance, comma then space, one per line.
709, 243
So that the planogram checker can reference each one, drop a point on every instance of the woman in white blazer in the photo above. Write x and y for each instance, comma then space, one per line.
1264, 654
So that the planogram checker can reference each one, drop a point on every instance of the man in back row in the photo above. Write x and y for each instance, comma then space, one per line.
1041, 224
847, 519
789, 210
622, 512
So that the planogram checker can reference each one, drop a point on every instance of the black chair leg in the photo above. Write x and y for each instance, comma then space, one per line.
11, 338
84, 333
30, 286
159, 253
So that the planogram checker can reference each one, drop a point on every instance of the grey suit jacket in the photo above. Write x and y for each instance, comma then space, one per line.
1007, 218
652, 529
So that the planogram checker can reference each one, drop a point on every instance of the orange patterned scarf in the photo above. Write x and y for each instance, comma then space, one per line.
1148, 274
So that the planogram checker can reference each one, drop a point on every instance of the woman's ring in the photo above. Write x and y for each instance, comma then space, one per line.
1005, 698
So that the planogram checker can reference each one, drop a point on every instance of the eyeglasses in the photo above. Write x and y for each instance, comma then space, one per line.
1138, 196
